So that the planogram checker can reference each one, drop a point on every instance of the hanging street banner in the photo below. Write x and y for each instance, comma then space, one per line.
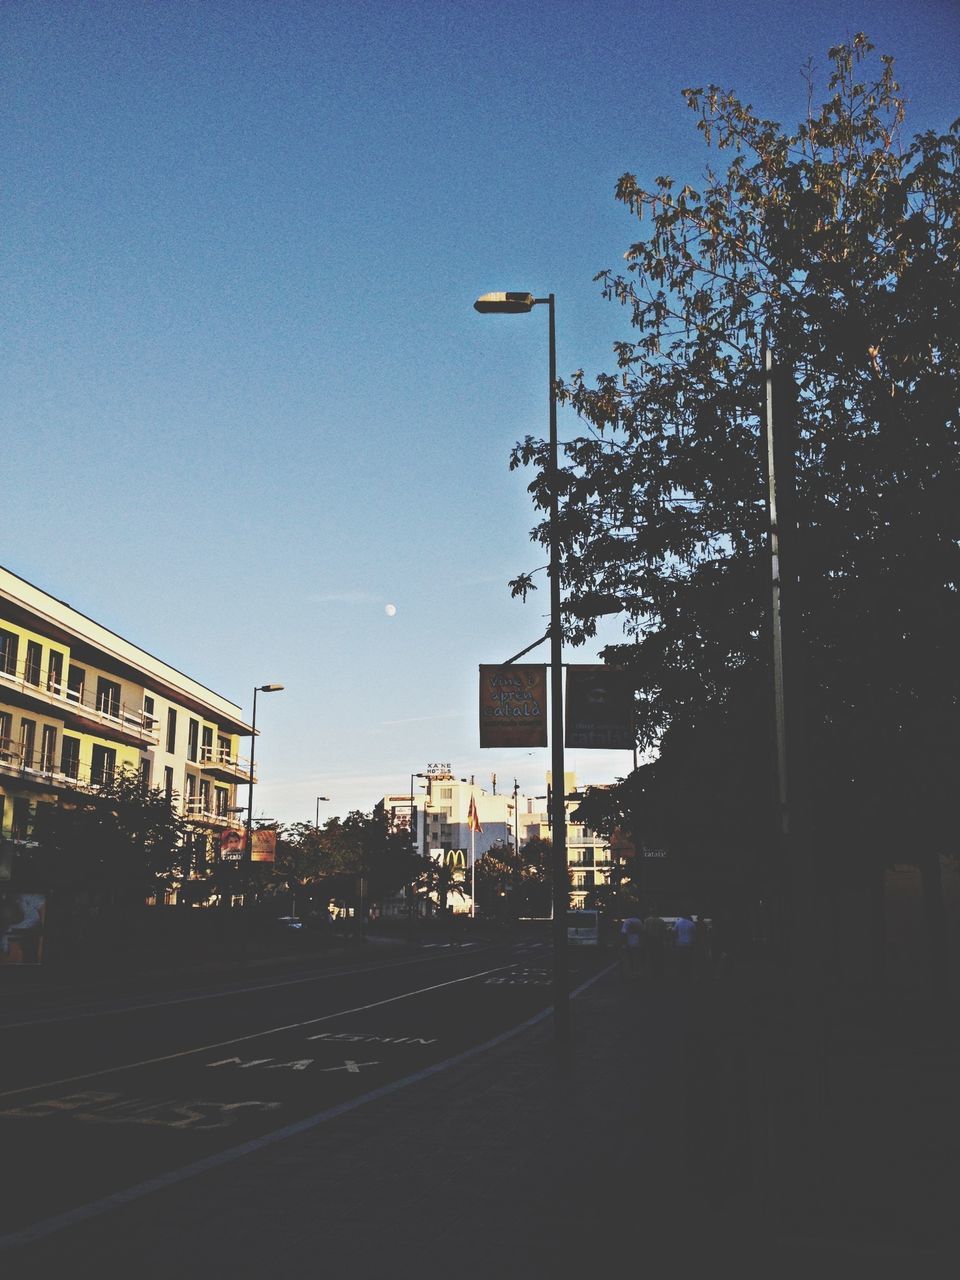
232, 844
263, 846
599, 711
622, 845
513, 705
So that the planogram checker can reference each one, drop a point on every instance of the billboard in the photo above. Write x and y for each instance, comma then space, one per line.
599, 710
263, 846
232, 844
513, 705
22, 919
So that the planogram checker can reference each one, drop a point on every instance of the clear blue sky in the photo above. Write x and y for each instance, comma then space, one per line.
246, 402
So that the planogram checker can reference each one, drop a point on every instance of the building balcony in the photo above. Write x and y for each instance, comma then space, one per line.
32, 769
198, 810
103, 716
224, 767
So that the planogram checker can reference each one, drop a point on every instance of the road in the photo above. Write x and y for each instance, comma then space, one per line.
128, 1092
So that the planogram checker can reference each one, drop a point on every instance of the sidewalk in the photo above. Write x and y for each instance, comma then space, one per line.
647, 1147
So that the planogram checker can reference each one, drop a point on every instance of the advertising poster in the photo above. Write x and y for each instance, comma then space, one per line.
599, 710
263, 846
22, 918
513, 705
232, 843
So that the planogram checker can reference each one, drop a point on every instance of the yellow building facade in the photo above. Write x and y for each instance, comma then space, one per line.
79, 703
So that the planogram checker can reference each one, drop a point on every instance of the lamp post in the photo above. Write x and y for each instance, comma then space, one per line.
519, 304
248, 842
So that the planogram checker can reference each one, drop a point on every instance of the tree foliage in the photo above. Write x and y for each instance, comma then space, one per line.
339, 852
839, 241
122, 842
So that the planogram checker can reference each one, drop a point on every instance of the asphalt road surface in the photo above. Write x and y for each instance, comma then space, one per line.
101, 1102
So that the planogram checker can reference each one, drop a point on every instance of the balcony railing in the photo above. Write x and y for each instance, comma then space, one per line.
198, 810
104, 711
218, 760
33, 764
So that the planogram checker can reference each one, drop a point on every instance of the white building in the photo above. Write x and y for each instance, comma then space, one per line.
437, 809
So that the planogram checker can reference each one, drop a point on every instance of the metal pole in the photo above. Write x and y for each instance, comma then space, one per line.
247, 844
473, 865
561, 983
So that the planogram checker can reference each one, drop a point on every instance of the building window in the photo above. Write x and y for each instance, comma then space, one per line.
206, 744
223, 749
221, 794
48, 749
31, 668
149, 719
28, 741
103, 764
76, 678
6, 735
204, 796
70, 756
168, 783
20, 826
9, 645
171, 730
108, 697
193, 739
54, 671
145, 773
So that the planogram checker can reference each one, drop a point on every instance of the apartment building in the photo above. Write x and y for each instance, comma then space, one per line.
589, 858
78, 703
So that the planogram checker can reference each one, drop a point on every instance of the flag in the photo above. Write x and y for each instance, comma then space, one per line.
473, 819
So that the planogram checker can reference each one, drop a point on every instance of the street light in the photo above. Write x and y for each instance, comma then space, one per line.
519, 304
248, 843
319, 798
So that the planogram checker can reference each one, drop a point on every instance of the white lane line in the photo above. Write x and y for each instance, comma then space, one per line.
68, 1015
83, 1213
255, 1035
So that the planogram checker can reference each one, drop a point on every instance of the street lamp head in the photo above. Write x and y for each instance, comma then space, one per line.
269, 688
505, 303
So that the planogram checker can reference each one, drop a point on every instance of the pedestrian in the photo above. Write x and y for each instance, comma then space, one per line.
684, 936
654, 942
631, 946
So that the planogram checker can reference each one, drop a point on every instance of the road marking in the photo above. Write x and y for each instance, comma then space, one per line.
256, 1035
83, 1213
351, 1037
115, 1108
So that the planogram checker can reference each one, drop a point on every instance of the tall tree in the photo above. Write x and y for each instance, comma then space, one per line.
840, 242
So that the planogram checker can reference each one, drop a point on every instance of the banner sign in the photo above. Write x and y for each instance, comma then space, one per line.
232, 844
263, 846
513, 705
622, 845
599, 711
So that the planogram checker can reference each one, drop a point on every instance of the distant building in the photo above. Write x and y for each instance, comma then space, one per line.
78, 703
436, 813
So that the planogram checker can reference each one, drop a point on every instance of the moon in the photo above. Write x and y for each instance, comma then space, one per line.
390, 610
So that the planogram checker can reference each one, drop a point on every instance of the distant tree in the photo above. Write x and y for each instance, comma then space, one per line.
338, 853
842, 243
